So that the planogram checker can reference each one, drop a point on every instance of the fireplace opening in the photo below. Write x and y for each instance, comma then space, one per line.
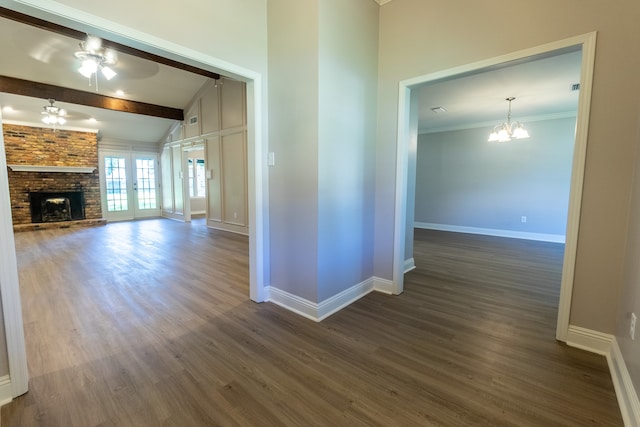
55, 207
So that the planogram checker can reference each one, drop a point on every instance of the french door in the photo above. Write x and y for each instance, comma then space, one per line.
129, 184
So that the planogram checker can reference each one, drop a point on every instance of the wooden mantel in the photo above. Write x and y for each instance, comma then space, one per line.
35, 168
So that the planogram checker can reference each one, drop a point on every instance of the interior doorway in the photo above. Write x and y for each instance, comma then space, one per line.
407, 140
17, 379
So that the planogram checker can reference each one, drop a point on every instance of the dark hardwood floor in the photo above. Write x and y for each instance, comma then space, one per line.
148, 323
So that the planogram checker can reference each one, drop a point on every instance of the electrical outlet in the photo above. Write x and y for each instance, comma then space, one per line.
523, 219
632, 326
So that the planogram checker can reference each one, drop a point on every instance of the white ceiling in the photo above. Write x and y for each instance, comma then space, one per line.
541, 86
39, 55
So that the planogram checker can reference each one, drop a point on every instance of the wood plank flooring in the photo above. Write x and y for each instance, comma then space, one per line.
148, 323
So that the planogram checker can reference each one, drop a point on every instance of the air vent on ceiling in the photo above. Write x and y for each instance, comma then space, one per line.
439, 110
575, 87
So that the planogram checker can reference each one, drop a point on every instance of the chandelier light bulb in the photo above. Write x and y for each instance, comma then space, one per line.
507, 130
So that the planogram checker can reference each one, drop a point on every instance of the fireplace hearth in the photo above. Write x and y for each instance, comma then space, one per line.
56, 206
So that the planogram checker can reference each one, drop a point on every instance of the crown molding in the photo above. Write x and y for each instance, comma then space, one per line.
382, 2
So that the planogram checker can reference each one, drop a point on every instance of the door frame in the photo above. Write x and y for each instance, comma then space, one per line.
407, 122
257, 173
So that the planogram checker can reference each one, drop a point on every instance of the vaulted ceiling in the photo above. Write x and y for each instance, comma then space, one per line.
47, 57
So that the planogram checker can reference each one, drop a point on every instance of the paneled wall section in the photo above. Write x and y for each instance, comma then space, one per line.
217, 119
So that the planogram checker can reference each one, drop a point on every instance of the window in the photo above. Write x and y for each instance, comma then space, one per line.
116, 180
197, 178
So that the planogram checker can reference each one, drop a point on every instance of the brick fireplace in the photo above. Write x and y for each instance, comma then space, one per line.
53, 177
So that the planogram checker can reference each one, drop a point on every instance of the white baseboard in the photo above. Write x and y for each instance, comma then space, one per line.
383, 285
625, 392
6, 391
592, 341
607, 345
174, 216
555, 238
409, 264
320, 311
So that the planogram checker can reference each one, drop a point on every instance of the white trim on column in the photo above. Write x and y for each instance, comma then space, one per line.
588, 42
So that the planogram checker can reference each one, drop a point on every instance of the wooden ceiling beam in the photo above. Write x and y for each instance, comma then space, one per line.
89, 99
79, 35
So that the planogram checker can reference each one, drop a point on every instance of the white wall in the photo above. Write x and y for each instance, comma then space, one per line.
464, 180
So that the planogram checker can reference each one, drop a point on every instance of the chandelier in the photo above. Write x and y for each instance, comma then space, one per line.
507, 130
53, 115
94, 57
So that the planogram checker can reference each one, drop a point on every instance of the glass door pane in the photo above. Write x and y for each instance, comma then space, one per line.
116, 183
129, 185
146, 183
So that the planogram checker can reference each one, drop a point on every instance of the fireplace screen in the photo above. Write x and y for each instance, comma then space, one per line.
56, 209
53, 207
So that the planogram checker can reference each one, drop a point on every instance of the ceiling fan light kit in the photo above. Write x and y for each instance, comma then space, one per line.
53, 115
95, 57
507, 130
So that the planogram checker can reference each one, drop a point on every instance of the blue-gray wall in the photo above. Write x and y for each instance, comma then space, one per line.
463, 180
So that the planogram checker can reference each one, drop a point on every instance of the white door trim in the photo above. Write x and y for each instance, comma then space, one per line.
10, 288
587, 43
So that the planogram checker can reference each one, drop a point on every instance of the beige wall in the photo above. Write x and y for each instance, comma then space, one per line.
293, 137
418, 37
348, 52
322, 90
